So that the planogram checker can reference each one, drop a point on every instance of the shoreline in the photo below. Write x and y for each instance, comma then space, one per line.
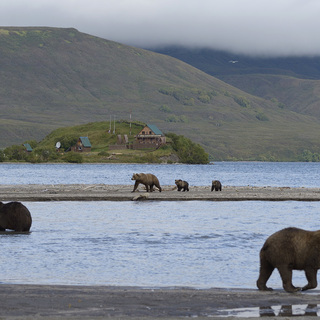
104, 192
21, 301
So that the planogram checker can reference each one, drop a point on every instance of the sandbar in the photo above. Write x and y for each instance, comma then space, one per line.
106, 192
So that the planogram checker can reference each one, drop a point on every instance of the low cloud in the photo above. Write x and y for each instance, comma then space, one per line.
273, 27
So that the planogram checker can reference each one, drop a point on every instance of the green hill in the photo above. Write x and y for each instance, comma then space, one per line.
102, 137
55, 77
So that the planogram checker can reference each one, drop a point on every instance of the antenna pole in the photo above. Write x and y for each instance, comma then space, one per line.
130, 122
114, 124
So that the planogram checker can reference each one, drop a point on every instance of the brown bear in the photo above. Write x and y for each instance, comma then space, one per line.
290, 249
148, 179
14, 216
216, 185
182, 185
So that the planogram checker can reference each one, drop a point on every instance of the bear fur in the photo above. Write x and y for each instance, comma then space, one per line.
14, 216
290, 249
216, 185
182, 185
148, 179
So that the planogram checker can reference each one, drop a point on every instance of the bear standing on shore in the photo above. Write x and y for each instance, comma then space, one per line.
290, 249
148, 179
14, 216
216, 185
182, 185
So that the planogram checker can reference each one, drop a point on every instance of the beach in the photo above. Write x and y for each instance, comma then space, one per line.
99, 302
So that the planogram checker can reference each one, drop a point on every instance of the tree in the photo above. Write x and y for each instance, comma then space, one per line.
188, 151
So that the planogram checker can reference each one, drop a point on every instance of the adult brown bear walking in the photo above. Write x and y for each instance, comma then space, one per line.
14, 216
148, 179
290, 249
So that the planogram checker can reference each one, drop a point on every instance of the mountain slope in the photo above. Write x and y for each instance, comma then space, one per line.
293, 81
55, 77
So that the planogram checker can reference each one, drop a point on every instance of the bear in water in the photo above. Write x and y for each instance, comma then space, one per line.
290, 249
148, 179
14, 216
182, 185
216, 185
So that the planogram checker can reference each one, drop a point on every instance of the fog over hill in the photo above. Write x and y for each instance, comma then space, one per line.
53, 77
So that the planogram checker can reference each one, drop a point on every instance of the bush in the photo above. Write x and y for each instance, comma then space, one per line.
16, 152
262, 117
45, 154
2, 156
241, 101
188, 151
73, 157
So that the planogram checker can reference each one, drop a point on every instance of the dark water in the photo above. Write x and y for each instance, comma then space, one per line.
199, 244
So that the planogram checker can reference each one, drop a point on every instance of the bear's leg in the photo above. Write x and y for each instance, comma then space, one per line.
135, 186
149, 188
286, 276
2, 229
266, 270
179, 188
311, 275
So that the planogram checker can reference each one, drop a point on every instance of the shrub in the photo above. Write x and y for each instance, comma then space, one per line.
188, 151
73, 157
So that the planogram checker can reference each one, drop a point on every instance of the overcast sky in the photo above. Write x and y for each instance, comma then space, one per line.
267, 27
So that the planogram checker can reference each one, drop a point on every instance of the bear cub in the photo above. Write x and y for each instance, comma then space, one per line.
216, 185
182, 185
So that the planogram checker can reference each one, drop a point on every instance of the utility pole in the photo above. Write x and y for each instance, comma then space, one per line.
130, 122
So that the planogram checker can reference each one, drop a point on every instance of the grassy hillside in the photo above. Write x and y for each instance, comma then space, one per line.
103, 136
54, 78
293, 81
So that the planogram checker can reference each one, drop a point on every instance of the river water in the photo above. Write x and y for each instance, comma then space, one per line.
153, 244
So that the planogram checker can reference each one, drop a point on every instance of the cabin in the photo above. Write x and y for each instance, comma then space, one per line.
27, 147
83, 145
149, 137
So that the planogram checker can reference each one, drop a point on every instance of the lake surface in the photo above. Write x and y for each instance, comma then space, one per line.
290, 174
153, 244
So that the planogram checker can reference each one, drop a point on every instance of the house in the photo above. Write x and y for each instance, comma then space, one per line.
83, 145
149, 137
27, 147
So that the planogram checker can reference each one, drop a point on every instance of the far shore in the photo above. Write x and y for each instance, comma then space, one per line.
104, 192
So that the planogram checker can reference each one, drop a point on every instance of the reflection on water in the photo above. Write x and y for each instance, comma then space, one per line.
297, 310
197, 244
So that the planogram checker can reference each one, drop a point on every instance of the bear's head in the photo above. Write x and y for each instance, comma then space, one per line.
135, 176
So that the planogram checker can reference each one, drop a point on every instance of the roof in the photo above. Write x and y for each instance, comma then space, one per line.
28, 147
155, 129
86, 142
